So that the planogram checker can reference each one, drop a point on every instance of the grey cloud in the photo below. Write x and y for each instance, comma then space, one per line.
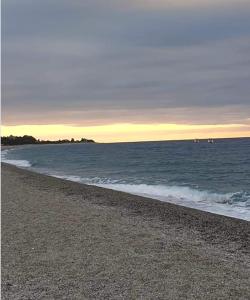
99, 20
84, 56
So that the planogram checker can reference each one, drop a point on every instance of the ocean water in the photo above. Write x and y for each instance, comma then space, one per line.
211, 177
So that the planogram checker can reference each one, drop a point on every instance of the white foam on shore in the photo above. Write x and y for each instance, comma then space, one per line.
70, 178
222, 204
15, 162
185, 196
18, 163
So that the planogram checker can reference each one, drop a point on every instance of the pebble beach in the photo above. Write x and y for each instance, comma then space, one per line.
65, 240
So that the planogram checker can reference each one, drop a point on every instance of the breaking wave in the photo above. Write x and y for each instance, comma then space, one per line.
16, 162
229, 204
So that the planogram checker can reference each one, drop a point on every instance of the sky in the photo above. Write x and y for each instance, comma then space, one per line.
126, 70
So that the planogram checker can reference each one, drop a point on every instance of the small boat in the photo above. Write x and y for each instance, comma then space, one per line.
211, 141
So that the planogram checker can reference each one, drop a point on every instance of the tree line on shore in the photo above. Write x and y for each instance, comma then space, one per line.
28, 139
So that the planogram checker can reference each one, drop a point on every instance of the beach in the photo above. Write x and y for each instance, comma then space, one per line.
65, 240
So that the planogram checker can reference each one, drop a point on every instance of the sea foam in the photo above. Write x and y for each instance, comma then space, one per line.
228, 204
224, 204
16, 162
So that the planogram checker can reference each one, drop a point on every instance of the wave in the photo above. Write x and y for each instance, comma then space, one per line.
229, 204
182, 193
171, 191
70, 177
17, 162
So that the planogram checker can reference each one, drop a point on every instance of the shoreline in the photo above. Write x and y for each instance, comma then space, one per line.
66, 240
216, 208
147, 204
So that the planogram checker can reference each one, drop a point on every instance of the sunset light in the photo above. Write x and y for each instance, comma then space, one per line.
130, 132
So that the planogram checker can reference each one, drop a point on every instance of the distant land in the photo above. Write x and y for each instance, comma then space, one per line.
28, 139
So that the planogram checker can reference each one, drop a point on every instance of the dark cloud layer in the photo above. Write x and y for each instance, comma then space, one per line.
85, 61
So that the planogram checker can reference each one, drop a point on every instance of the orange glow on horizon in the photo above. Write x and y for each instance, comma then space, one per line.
129, 132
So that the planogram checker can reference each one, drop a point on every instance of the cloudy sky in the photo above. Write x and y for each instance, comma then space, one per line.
126, 69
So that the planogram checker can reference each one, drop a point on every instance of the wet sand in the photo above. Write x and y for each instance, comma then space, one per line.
64, 240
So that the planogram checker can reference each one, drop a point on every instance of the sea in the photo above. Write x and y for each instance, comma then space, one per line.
213, 177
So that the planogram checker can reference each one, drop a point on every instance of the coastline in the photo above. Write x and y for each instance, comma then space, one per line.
211, 197
69, 240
